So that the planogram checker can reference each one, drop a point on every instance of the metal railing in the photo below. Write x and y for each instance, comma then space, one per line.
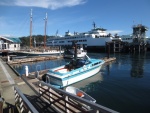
65, 102
23, 103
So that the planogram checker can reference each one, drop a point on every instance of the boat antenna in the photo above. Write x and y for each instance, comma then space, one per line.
87, 57
94, 25
57, 33
31, 29
45, 31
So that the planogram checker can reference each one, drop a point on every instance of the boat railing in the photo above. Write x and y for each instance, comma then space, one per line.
65, 102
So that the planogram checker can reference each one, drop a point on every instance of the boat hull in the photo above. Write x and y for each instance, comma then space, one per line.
32, 53
73, 77
80, 93
82, 76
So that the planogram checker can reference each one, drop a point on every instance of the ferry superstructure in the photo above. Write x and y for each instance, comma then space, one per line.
96, 38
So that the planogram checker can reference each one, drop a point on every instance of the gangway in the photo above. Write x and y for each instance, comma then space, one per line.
59, 101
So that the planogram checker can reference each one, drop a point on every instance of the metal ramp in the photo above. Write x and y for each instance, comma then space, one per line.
31, 104
22, 103
53, 100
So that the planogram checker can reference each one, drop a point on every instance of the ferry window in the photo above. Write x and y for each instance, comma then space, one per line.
61, 41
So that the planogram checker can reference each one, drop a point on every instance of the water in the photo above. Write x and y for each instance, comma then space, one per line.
122, 85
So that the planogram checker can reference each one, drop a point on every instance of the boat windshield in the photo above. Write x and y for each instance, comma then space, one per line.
74, 64
80, 62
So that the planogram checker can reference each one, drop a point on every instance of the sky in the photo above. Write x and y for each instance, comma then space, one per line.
117, 16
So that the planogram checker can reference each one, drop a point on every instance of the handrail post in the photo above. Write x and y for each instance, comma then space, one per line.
50, 95
66, 104
40, 92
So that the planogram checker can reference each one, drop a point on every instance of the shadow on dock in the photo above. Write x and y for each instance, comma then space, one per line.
40, 104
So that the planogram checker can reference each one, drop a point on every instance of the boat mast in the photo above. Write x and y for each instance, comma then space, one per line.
31, 29
45, 31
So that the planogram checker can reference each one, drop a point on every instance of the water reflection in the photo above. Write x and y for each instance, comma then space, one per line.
89, 84
37, 66
137, 65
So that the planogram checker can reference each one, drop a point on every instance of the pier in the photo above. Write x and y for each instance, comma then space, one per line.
27, 94
33, 59
139, 43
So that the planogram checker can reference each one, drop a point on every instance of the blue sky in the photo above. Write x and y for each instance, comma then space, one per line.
117, 16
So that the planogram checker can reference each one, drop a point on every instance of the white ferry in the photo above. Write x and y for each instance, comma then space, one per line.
96, 38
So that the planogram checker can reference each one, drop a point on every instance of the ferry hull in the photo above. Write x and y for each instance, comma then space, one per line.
96, 49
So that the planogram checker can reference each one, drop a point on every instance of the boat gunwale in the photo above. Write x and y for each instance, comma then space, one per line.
58, 75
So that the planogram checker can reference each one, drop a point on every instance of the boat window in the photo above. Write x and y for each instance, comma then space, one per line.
95, 63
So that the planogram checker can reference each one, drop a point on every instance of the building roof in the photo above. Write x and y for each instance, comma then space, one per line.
17, 40
11, 39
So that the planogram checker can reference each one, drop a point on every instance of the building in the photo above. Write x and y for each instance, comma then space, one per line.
9, 43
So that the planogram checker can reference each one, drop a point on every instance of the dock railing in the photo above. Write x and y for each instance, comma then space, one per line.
65, 102
23, 103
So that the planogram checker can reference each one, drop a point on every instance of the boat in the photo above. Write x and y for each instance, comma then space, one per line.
76, 70
79, 93
32, 51
69, 53
37, 53
95, 39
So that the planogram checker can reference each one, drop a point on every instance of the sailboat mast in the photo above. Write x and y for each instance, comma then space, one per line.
45, 31
31, 29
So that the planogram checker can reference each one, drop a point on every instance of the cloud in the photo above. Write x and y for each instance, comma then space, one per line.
51, 4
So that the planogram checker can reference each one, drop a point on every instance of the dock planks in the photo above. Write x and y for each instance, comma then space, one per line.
35, 59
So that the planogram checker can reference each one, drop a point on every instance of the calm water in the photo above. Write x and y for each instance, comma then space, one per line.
122, 85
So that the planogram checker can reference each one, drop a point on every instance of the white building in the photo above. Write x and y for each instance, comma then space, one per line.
8, 43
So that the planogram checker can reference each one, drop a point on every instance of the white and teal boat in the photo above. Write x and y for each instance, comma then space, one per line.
73, 72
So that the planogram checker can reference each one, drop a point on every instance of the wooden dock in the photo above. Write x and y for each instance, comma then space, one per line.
34, 59
106, 59
40, 73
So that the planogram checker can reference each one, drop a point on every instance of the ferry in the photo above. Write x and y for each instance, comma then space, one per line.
94, 39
